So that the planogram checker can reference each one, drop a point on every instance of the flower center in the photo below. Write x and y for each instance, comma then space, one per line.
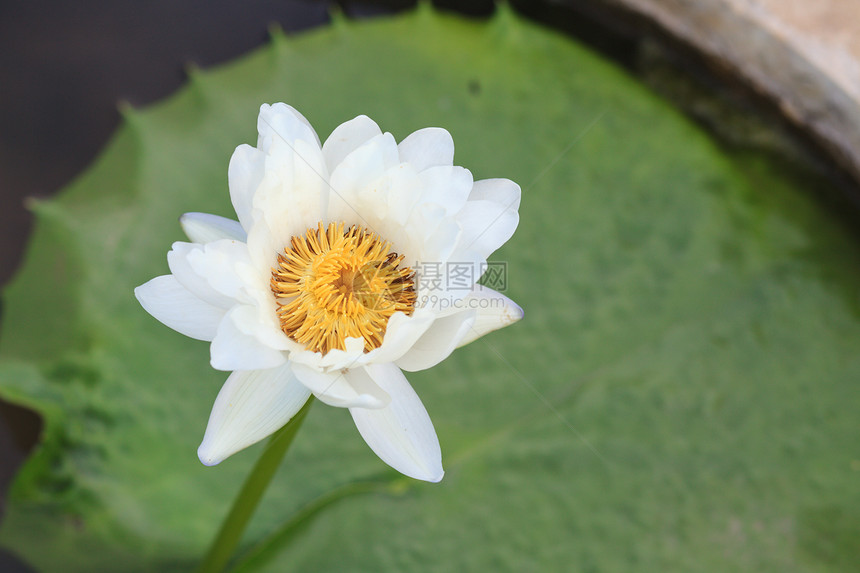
333, 284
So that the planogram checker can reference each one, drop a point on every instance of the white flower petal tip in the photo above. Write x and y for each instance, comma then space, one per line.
428, 147
401, 434
348, 137
494, 311
280, 121
206, 228
249, 407
207, 458
174, 306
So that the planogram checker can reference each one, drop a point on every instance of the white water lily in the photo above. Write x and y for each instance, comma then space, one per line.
319, 287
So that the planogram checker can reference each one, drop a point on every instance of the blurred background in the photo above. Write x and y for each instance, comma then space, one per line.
775, 74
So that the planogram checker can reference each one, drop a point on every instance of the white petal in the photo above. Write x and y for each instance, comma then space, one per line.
357, 177
502, 191
347, 137
263, 245
404, 191
260, 319
226, 266
342, 390
446, 185
364, 166
177, 260
188, 263
206, 228
292, 196
486, 225
221, 272
244, 174
439, 245
401, 434
343, 359
281, 122
353, 355
174, 306
293, 193
250, 406
401, 332
424, 220
438, 342
494, 309
236, 348
427, 147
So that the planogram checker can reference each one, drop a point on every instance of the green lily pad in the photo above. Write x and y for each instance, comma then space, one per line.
681, 396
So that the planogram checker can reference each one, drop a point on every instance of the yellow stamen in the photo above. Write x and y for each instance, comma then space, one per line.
333, 284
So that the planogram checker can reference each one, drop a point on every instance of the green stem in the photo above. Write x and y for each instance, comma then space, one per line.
252, 491
261, 554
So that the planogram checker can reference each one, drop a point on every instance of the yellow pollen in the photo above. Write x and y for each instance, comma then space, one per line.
332, 284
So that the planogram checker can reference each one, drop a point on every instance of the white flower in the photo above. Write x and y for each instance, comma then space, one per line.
324, 284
